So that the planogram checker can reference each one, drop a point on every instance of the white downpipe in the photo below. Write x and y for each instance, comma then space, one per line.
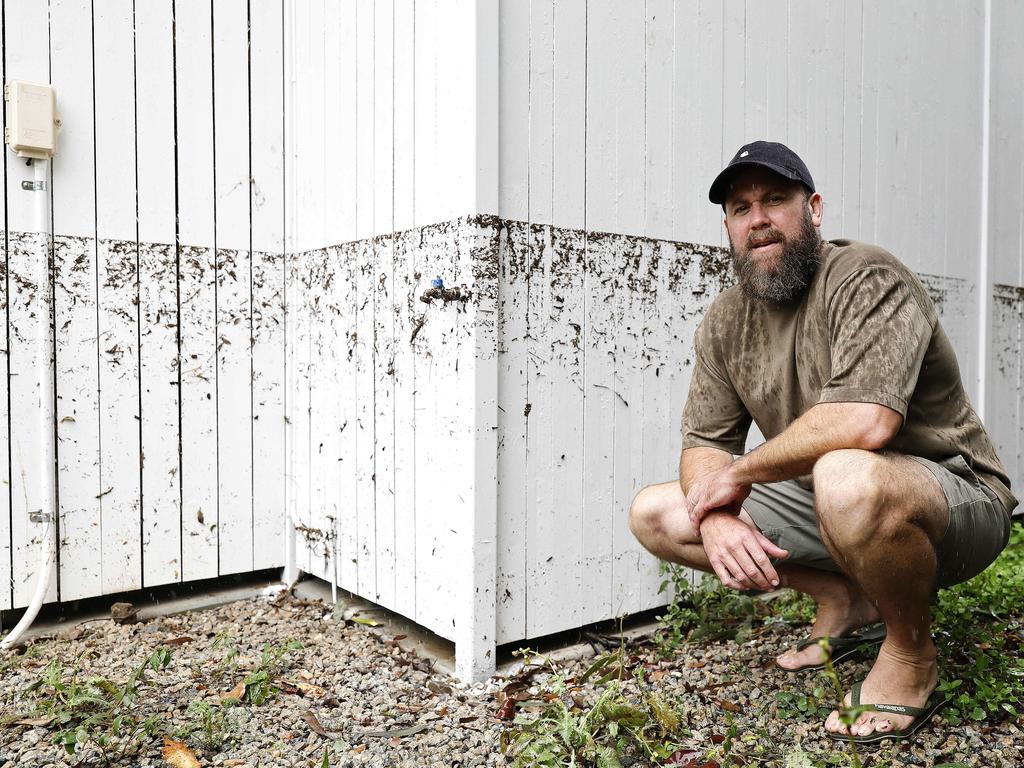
44, 373
984, 274
290, 574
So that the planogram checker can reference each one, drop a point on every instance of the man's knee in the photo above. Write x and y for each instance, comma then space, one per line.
849, 493
645, 513
657, 515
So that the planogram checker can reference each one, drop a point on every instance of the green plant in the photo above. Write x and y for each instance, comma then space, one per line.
95, 709
208, 724
979, 631
259, 684
567, 731
709, 611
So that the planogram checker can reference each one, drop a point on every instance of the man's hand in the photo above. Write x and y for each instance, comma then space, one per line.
739, 552
715, 492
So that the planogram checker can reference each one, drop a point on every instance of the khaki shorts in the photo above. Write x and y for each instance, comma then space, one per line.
978, 527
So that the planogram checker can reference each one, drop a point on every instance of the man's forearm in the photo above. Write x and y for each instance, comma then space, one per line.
825, 427
695, 463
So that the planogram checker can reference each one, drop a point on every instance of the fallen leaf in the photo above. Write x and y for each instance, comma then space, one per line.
314, 724
728, 706
367, 622
394, 741
683, 758
438, 687
359, 750
717, 738
657, 675
308, 689
35, 722
412, 729
178, 755
467, 719
507, 710
179, 641
235, 693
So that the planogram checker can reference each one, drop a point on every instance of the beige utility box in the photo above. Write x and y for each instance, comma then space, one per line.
32, 122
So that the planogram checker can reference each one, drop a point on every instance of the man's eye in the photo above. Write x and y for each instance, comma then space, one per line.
775, 199
739, 209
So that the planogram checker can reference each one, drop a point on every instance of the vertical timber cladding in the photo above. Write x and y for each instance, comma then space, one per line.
594, 339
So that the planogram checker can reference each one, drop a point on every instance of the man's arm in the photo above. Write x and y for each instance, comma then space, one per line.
699, 461
825, 427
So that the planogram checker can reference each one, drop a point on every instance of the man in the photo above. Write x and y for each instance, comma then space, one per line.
877, 483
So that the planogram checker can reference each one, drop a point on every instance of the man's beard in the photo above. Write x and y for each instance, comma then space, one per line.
789, 278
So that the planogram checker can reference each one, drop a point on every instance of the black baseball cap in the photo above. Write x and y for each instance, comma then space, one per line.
769, 154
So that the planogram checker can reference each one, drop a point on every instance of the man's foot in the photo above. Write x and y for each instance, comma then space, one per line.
898, 677
837, 615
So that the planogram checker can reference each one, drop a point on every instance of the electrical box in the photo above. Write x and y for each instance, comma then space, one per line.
32, 122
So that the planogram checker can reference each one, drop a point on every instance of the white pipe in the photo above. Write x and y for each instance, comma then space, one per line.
290, 573
984, 287
44, 374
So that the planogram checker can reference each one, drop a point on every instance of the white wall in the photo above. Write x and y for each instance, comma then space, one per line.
247, 213
168, 225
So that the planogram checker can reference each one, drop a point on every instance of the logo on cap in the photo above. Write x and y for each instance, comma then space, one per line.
744, 154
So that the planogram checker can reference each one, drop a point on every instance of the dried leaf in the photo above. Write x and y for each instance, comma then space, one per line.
314, 724
683, 758
178, 755
411, 730
178, 640
306, 689
367, 622
438, 687
394, 741
728, 706
359, 750
35, 722
717, 738
507, 710
235, 693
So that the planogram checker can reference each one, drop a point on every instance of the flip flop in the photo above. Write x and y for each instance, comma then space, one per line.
842, 647
921, 716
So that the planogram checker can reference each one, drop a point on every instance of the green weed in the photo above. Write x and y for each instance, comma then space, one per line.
566, 731
979, 631
208, 724
259, 684
95, 709
709, 612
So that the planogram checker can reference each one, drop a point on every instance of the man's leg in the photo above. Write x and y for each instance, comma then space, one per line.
881, 516
658, 519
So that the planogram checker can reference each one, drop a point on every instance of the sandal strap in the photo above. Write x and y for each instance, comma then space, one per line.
895, 709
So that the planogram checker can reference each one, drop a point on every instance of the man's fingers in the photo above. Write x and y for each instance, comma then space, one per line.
754, 570
764, 566
736, 573
770, 547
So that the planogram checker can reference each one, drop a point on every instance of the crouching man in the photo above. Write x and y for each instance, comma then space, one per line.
877, 484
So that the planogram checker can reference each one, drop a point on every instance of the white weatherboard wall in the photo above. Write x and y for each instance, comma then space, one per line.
251, 200
168, 289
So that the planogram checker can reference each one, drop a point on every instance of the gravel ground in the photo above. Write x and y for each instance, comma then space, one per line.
375, 703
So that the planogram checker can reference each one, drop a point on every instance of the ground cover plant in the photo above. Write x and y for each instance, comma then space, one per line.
979, 632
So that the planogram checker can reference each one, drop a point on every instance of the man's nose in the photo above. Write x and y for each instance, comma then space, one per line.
758, 216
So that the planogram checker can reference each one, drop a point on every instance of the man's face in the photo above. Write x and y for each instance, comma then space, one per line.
772, 225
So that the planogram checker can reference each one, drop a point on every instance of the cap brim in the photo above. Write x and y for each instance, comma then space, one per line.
720, 186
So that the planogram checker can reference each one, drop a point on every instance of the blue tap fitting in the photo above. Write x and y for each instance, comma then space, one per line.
437, 282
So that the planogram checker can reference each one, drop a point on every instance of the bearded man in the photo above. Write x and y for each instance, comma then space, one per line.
877, 484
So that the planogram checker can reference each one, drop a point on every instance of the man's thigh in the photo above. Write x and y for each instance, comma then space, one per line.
962, 517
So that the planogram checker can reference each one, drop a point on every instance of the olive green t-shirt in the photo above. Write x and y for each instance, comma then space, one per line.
865, 331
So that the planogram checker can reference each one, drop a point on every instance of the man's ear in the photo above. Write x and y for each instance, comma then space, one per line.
817, 208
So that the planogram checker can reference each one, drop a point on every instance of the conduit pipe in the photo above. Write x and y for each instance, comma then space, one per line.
44, 375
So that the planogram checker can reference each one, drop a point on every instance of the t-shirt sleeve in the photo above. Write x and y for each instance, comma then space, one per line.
714, 416
878, 336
